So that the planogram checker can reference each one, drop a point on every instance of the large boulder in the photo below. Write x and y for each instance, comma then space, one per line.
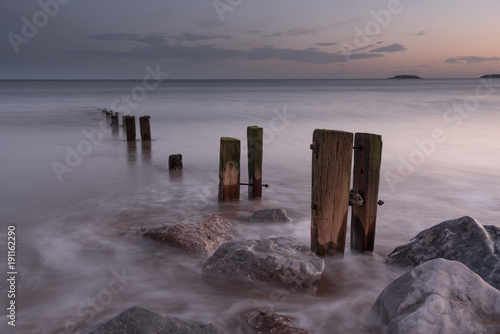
265, 321
201, 235
438, 296
285, 262
269, 215
138, 320
463, 239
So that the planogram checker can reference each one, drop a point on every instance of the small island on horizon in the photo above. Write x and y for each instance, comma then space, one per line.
405, 76
490, 76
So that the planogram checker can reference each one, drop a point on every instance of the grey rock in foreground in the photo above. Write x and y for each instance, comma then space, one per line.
284, 262
200, 235
138, 320
271, 215
463, 239
266, 321
438, 296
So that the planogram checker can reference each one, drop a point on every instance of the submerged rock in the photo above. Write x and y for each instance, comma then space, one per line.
271, 215
266, 321
138, 320
284, 262
438, 296
463, 239
200, 235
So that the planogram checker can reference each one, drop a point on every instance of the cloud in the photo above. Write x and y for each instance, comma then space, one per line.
207, 53
289, 32
196, 37
420, 33
390, 48
470, 59
150, 39
156, 38
326, 44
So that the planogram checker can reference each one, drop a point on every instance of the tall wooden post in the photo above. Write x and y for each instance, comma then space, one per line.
366, 179
130, 128
255, 150
145, 128
123, 120
229, 169
331, 178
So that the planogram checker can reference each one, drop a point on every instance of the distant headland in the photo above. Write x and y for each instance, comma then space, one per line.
490, 76
405, 76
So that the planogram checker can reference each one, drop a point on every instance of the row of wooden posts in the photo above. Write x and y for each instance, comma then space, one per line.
332, 155
229, 166
128, 123
332, 167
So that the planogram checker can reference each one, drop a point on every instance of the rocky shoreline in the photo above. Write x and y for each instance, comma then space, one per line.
451, 286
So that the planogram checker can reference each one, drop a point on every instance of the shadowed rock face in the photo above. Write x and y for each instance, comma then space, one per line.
284, 262
269, 322
137, 320
271, 215
438, 296
200, 235
464, 240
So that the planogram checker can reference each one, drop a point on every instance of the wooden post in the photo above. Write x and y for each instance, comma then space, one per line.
229, 169
366, 179
175, 161
331, 178
108, 117
123, 120
130, 128
145, 128
114, 120
255, 139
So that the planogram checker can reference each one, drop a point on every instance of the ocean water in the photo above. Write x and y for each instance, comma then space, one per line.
76, 266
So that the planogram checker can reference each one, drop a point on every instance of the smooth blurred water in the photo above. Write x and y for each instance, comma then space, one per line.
70, 234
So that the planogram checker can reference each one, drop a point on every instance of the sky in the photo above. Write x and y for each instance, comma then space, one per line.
248, 39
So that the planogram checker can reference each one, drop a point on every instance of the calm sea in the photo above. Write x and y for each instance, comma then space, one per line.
71, 186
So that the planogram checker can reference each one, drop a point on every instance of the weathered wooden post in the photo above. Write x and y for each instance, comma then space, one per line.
130, 128
175, 161
114, 120
331, 178
255, 151
145, 128
366, 179
229, 169
123, 120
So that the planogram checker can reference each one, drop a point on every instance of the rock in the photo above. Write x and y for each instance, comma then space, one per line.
266, 321
438, 296
463, 239
490, 76
200, 235
271, 215
137, 320
284, 262
405, 76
